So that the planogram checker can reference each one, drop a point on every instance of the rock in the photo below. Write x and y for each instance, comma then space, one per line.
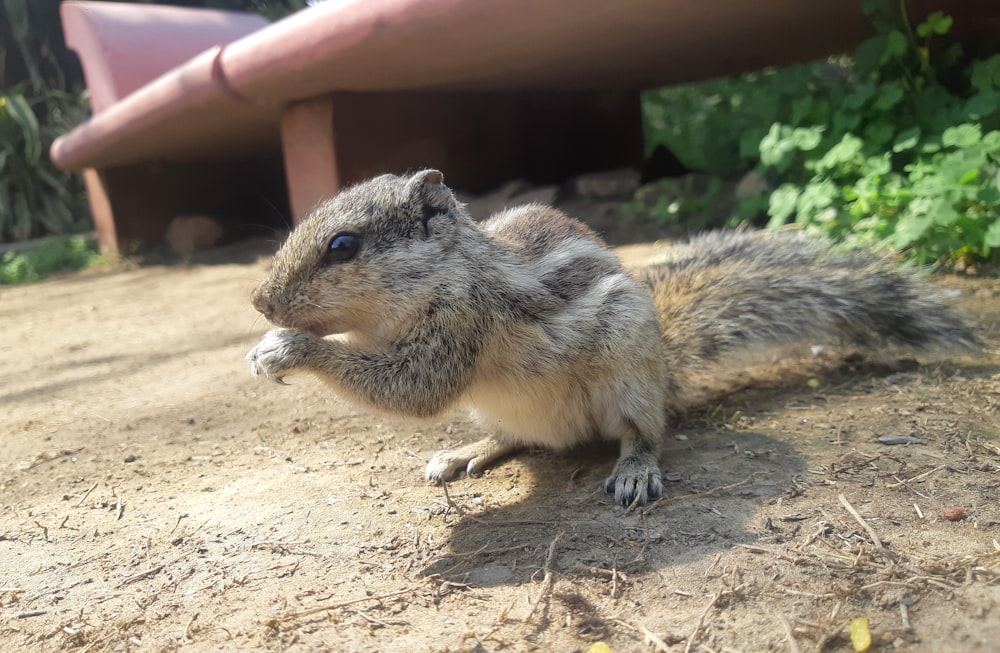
513, 193
610, 184
541, 195
484, 206
188, 234
750, 185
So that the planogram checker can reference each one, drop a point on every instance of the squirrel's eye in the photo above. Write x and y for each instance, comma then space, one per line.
343, 247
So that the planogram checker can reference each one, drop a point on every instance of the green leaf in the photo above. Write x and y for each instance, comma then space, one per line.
878, 134
55, 184
906, 140
992, 237
942, 212
895, 47
845, 151
776, 147
889, 96
876, 166
782, 204
859, 96
807, 138
983, 105
801, 108
909, 230
815, 197
991, 143
868, 55
19, 109
845, 121
986, 74
6, 210
951, 57
964, 135
939, 23
969, 177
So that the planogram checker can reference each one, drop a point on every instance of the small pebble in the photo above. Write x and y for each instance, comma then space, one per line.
899, 439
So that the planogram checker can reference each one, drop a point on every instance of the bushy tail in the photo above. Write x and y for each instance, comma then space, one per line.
730, 292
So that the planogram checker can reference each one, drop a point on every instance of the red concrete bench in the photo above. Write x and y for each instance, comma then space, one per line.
219, 113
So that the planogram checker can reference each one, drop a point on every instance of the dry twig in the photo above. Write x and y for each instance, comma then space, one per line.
187, 629
85, 495
547, 579
857, 517
793, 646
701, 623
917, 477
650, 639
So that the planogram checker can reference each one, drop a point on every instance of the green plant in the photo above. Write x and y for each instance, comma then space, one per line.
912, 158
52, 255
36, 198
696, 201
716, 126
897, 145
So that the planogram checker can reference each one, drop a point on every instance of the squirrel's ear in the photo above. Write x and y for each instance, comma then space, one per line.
427, 187
429, 177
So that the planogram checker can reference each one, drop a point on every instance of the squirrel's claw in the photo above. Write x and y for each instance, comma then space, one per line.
275, 355
636, 480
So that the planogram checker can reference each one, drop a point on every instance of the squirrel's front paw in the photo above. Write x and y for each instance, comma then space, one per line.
635, 479
279, 352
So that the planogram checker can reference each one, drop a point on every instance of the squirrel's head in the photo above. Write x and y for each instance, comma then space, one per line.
360, 257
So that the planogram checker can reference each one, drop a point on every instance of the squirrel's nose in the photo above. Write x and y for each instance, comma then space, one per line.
264, 305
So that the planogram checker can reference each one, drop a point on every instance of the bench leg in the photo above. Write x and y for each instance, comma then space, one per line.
130, 206
100, 209
309, 153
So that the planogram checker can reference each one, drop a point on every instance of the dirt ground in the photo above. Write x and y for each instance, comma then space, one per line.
155, 497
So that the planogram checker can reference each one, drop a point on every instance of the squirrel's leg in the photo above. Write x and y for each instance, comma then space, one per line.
471, 458
636, 477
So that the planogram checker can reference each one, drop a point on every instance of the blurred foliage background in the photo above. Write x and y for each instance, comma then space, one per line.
42, 95
896, 144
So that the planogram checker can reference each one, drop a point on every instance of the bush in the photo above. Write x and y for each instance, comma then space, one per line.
898, 145
56, 254
36, 198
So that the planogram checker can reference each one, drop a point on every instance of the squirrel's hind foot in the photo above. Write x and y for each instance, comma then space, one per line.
446, 465
636, 479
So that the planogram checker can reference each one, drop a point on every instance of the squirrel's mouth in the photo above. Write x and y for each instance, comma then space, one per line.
318, 329
323, 329
320, 332
318, 323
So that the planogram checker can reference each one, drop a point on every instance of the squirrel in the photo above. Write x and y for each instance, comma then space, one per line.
532, 322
